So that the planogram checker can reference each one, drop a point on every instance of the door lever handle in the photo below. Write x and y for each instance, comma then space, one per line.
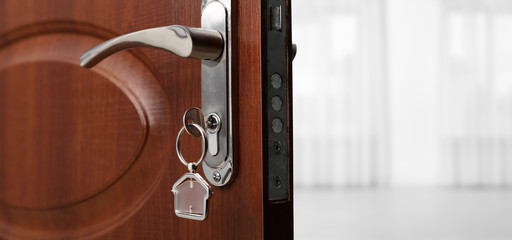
183, 41
213, 43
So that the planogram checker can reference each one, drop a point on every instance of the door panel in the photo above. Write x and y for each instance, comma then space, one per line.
90, 153
45, 131
74, 141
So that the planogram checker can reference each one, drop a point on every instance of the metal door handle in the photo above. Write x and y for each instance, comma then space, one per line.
182, 41
213, 44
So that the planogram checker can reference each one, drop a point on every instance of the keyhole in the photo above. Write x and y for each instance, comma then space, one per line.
213, 123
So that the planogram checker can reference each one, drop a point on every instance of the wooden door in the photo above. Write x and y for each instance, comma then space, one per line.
89, 153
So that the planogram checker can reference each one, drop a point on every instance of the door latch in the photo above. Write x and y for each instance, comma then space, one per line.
213, 44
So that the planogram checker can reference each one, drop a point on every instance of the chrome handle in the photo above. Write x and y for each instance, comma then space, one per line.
183, 41
212, 43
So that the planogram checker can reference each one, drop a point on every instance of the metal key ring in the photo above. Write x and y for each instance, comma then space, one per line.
204, 145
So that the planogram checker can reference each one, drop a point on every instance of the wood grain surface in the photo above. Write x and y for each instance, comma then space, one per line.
90, 153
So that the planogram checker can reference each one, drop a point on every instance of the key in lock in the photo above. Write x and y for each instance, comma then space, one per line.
211, 123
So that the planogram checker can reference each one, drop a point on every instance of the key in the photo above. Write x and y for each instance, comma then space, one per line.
194, 115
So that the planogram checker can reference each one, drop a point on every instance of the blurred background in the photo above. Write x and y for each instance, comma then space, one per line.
403, 119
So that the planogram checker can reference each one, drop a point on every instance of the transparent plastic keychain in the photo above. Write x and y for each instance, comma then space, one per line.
191, 191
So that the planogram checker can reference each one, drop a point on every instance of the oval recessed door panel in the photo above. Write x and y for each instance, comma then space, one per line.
70, 132
76, 145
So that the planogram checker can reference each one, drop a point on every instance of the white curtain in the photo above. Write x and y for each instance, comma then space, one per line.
403, 92
476, 119
340, 91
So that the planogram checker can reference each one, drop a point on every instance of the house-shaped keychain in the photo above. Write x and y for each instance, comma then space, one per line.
191, 193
